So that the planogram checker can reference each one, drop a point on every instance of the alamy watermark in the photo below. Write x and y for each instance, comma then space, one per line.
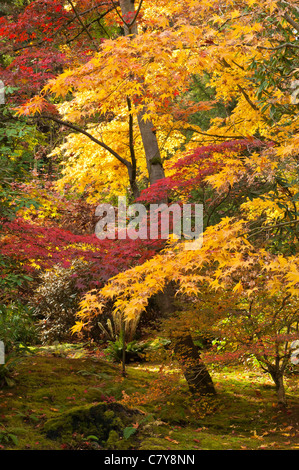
159, 221
2, 92
2, 353
295, 93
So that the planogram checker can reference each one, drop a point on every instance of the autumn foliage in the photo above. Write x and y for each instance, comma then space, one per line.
188, 102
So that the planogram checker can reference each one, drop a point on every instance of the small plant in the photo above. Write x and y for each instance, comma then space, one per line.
135, 350
134, 427
114, 326
7, 369
7, 437
130, 430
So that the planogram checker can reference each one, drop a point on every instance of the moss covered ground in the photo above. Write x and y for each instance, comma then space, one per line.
68, 398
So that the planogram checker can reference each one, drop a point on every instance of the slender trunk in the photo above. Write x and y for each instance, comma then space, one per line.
194, 369
133, 182
123, 359
146, 128
133, 168
277, 377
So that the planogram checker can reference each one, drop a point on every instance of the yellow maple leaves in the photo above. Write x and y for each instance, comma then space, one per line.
227, 262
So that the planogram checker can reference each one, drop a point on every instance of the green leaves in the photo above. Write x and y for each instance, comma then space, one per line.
129, 431
7, 437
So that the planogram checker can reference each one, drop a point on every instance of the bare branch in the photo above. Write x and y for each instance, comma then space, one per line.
291, 21
247, 98
270, 227
83, 25
281, 46
90, 136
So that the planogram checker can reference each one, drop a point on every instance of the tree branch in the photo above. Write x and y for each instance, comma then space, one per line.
83, 25
270, 227
281, 46
247, 98
90, 136
60, 30
222, 137
136, 14
128, 25
98, 19
291, 21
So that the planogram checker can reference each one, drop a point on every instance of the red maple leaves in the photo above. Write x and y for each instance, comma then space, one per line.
189, 172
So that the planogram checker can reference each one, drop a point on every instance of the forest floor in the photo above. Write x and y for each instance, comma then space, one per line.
56, 389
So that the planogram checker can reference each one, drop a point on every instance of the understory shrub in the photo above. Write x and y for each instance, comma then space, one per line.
135, 351
56, 301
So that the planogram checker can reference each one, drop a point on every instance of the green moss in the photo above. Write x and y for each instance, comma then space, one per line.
154, 443
77, 403
116, 441
87, 420
103, 420
156, 161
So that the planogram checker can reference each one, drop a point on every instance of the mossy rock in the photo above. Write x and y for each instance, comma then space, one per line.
102, 420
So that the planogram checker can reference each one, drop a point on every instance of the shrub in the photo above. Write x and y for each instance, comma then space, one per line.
56, 301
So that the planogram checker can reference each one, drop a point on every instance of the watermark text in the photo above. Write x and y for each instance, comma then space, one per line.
159, 221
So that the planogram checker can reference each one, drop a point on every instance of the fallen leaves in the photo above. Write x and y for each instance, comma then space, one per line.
171, 440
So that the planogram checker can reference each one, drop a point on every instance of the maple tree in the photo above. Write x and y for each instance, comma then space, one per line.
37, 40
164, 112
36, 246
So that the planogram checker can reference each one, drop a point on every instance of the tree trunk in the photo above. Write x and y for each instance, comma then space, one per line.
195, 372
133, 182
146, 128
277, 377
151, 149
